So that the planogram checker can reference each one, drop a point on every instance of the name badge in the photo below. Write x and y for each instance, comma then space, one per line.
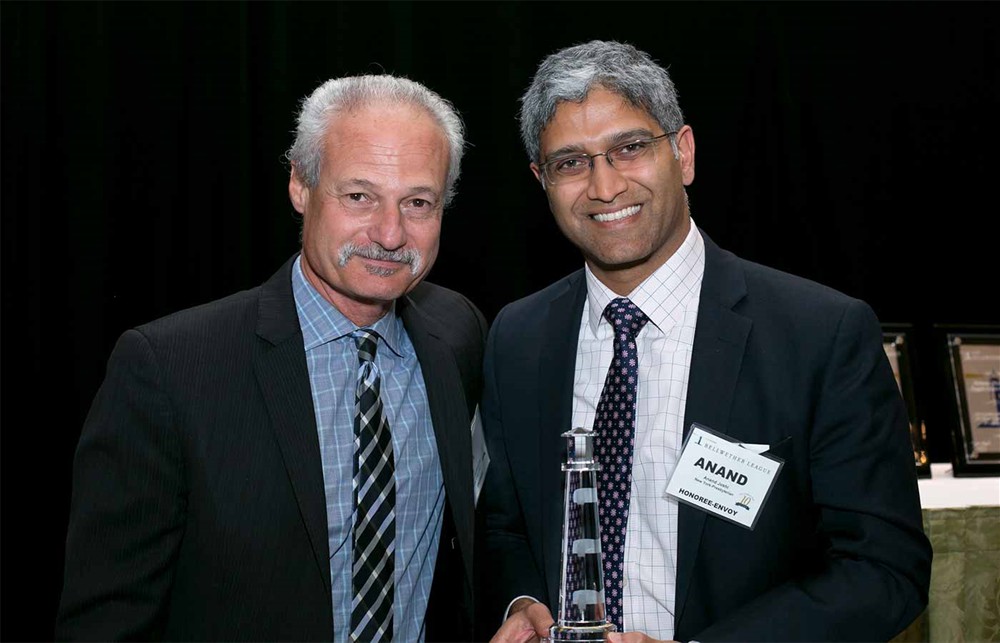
480, 456
723, 477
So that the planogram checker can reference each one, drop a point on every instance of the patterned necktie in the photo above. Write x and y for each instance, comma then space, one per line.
374, 500
615, 428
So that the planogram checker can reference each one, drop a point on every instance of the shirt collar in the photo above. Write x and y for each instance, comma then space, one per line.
321, 322
663, 295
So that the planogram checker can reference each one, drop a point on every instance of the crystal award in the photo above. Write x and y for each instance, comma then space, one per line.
581, 583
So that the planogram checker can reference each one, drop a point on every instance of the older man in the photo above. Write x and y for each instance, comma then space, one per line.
669, 346
294, 462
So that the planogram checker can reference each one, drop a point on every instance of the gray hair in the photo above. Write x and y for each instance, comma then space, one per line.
355, 92
570, 74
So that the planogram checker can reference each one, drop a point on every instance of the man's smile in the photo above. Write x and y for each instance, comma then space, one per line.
617, 215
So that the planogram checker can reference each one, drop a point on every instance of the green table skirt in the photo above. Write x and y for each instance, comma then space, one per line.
964, 600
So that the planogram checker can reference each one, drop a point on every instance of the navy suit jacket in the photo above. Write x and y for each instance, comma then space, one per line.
838, 552
198, 508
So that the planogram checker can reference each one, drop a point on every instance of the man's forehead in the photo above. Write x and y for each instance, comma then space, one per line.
428, 185
605, 118
387, 124
385, 137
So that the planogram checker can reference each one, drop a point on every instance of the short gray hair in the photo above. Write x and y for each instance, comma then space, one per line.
570, 74
355, 92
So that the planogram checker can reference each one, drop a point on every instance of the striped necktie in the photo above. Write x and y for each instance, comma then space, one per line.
374, 501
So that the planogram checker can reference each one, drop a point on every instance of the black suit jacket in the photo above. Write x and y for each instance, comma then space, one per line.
198, 508
838, 552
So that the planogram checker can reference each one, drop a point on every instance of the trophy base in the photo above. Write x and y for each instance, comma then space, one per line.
575, 633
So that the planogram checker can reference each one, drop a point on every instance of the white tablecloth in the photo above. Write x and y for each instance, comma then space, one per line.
943, 490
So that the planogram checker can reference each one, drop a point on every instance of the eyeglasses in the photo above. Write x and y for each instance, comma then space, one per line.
626, 156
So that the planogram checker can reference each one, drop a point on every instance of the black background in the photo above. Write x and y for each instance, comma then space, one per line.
853, 143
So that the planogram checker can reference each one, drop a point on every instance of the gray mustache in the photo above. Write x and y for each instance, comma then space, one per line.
410, 256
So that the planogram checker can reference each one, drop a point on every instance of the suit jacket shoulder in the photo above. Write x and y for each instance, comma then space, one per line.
526, 321
268, 308
528, 304
776, 307
448, 313
729, 278
452, 319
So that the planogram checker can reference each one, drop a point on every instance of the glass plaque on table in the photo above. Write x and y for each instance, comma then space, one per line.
974, 369
896, 341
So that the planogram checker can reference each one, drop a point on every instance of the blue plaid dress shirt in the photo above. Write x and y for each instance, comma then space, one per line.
332, 359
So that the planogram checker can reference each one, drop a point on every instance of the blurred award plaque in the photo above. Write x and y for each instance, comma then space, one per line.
896, 340
974, 360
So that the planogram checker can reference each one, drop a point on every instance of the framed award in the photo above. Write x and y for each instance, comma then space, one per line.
974, 370
896, 341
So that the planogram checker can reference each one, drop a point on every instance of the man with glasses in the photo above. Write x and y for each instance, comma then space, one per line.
664, 336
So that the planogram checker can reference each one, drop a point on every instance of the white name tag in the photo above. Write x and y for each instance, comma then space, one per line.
480, 456
723, 477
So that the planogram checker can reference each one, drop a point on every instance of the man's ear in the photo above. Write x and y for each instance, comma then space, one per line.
537, 171
685, 145
298, 193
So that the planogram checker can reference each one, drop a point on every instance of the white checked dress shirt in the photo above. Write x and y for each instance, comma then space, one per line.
669, 297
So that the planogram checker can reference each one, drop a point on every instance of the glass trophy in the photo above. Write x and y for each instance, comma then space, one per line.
581, 582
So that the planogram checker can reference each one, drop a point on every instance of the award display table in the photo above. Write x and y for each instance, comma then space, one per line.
962, 520
944, 491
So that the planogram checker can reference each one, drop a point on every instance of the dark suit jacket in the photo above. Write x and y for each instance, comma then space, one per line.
838, 552
198, 507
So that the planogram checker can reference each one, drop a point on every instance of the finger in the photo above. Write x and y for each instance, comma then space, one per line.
518, 628
540, 618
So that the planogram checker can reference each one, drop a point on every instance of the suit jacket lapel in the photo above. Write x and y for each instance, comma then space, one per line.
283, 377
556, 368
719, 344
450, 417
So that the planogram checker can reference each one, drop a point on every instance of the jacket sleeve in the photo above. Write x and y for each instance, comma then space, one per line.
874, 575
505, 567
128, 505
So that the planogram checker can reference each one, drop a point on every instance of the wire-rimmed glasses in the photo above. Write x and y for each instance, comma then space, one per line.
624, 156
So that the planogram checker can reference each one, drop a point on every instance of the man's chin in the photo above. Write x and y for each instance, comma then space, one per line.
369, 287
612, 264
384, 293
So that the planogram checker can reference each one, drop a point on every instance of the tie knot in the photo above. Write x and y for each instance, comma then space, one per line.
625, 316
367, 342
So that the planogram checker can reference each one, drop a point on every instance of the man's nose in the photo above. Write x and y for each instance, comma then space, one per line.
387, 228
605, 181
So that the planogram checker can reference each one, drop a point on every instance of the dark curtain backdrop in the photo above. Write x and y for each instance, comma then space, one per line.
851, 143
